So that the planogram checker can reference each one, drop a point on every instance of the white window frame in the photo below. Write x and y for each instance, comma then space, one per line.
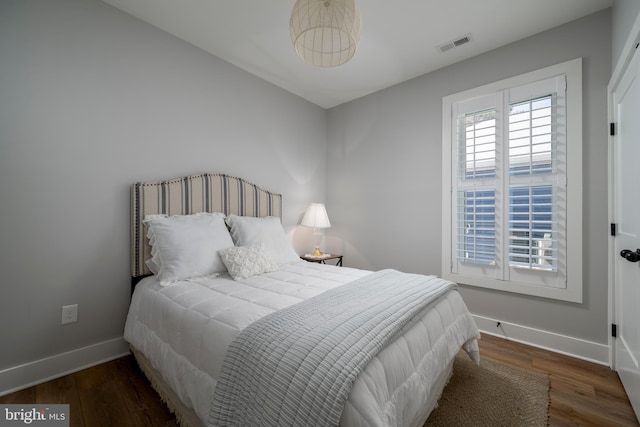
572, 289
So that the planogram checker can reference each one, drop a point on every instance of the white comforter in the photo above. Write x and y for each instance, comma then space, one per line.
184, 330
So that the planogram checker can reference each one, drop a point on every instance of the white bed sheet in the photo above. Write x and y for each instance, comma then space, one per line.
184, 330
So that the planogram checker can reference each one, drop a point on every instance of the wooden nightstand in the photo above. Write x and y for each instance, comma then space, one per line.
322, 259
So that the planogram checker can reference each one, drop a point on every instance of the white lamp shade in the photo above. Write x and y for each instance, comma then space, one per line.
316, 216
325, 33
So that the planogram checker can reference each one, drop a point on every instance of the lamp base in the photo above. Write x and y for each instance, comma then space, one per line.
317, 252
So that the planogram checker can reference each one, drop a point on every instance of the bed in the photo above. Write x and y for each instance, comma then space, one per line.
189, 315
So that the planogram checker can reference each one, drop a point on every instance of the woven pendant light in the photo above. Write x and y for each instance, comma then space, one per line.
325, 33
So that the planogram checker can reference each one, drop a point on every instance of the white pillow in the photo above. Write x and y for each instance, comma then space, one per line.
247, 230
186, 246
247, 261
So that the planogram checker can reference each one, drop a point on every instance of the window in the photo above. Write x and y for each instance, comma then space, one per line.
511, 220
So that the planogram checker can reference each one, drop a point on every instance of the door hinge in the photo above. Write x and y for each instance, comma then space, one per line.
612, 128
613, 229
614, 330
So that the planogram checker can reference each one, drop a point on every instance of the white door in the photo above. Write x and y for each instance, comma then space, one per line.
626, 166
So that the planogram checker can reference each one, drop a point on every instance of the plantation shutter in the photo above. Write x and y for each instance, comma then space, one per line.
509, 184
536, 160
476, 190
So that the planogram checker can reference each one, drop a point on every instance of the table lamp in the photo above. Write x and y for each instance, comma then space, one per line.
316, 217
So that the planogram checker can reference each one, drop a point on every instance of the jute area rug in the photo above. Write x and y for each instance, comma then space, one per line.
492, 395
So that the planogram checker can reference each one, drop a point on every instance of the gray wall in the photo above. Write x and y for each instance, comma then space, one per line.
384, 174
92, 100
624, 15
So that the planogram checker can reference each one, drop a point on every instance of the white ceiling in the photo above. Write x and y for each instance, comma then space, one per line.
400, 38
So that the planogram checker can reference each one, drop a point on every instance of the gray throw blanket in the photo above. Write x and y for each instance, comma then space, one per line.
296, 367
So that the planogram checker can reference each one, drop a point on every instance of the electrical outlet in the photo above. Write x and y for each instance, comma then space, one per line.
69, 314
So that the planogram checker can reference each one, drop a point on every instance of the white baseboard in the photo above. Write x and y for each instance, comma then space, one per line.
570, 346
33, 373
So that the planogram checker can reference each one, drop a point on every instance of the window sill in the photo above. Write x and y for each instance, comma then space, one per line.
569, 294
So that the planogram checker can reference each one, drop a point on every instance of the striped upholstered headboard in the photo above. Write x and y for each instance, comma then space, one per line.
193, 194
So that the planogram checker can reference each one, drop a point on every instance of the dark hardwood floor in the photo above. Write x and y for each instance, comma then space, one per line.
581, 393
117, 393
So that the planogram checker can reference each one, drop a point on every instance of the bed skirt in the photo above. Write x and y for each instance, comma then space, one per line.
187, 417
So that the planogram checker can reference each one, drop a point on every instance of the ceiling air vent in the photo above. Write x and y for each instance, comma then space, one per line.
455, 43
